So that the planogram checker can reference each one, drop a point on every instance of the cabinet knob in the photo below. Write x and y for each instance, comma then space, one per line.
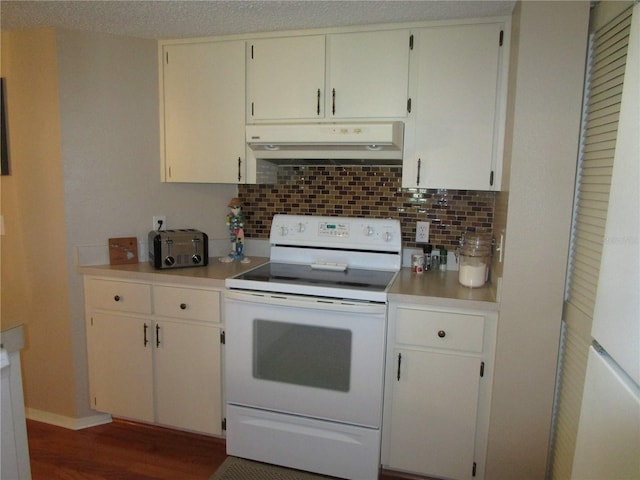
183, 306
117, 298
442, 333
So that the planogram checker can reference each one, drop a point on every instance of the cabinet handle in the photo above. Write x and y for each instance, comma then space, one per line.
117, 298
418, 176
442, 333
157, 335
183, 306
318, 106
239, 169
145, 334
333, 101
399, 362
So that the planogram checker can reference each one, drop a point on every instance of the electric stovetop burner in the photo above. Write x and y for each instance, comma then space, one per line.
290, 274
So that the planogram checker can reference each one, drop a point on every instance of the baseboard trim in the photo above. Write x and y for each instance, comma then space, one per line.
71, 423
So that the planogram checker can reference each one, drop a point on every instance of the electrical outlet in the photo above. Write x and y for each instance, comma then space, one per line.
422, 232
159, 223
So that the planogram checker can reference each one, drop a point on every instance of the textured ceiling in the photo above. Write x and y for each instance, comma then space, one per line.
187, 19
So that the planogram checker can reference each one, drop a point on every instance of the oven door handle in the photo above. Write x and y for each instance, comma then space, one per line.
317, 303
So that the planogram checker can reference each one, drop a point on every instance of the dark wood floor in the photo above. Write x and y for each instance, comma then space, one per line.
123, 450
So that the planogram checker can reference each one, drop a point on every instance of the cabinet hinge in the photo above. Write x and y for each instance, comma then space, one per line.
224, 424
473, 470
491, 178
223, 337
481, 369
501, 37
411, 42
409, 105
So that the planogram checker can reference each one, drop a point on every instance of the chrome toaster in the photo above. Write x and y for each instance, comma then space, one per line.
178, 248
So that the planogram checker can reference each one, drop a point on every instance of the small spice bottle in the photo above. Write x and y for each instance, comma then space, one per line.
443, 259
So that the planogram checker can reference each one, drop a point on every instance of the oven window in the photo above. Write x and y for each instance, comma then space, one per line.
302, 355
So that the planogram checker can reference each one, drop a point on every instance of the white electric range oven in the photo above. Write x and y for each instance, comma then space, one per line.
305, 346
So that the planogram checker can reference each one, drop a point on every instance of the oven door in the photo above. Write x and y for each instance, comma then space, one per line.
314, 357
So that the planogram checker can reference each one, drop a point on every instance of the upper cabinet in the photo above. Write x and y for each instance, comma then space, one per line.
446, 81
455, 131
285, 78
339, 76
367, 74
202, 112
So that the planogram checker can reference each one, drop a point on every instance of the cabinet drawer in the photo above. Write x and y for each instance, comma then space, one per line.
118, 296
187, 303
427, 328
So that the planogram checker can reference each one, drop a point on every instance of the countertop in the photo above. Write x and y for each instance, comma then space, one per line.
440, 289
213, 275
431, 288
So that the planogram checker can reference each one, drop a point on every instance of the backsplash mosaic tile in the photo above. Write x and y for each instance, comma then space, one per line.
366, 191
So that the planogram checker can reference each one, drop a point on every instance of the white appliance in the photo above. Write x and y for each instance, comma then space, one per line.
608, 441
305, 345
365, 140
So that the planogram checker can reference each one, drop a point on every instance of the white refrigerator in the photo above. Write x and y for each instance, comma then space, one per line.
608, 441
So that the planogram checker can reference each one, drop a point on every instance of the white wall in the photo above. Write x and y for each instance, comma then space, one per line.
543, 116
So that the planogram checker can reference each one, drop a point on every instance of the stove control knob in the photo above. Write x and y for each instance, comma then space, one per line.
196, 258
283, 231
169, 261
368, 230
301, 227
387, 236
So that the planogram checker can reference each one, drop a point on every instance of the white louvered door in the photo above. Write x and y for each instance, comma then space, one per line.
607, 60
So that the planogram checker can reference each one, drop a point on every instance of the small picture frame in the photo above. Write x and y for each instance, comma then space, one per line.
123, 250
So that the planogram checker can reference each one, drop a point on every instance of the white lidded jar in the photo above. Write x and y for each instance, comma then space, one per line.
474, 257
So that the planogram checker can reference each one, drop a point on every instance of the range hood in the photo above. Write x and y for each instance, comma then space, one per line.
371, 143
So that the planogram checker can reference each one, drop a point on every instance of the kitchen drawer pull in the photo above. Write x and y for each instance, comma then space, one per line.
399, 362
157, 336
442, 333
318, 106
117, 298
145, 334
183, 306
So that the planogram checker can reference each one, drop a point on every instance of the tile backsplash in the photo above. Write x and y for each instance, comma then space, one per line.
368, 191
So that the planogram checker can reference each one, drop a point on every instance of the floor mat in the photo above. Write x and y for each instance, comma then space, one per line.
235, 468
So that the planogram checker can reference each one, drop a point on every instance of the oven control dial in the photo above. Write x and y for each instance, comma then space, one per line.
368, 231
283, 231
387, 237
301, 227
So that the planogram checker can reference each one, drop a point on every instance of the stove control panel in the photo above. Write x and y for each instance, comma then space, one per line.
336, 232
333, 229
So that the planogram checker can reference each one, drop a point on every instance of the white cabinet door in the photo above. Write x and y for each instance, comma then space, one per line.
120, 365
204, 104
433, 414
367, 74
187, 376
285, 78
451, 138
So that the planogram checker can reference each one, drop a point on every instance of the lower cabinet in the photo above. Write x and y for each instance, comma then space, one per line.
439, 370
154, 353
